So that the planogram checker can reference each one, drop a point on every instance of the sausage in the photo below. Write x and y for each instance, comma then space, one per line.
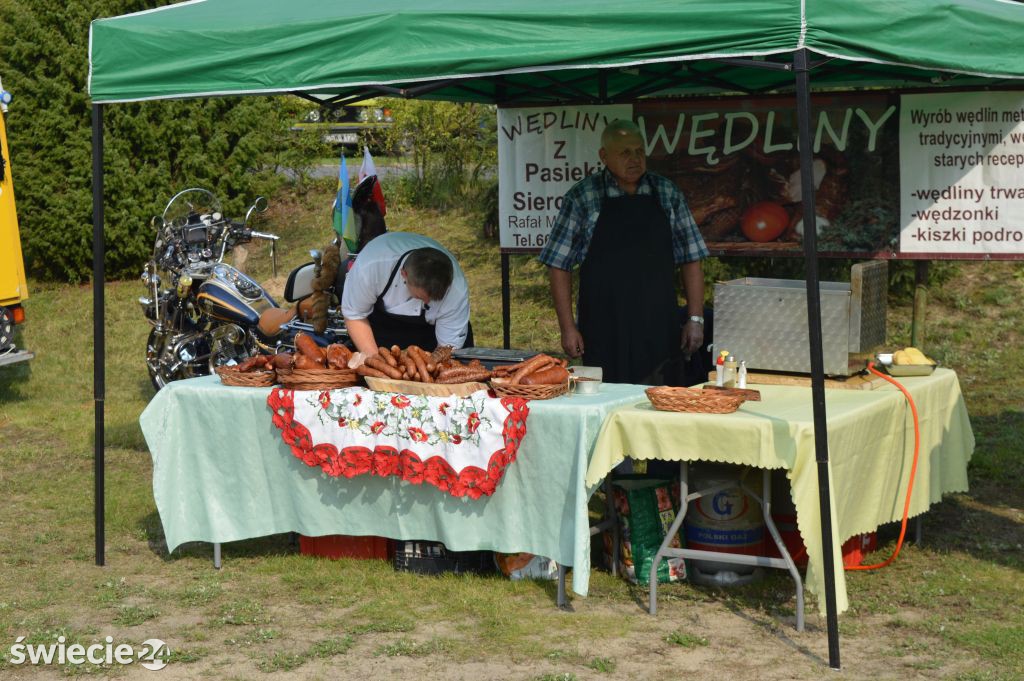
465, 376
308, 347
364, 370
421, 364
254, 363
551, 376
338, 356
305, 362
283, 360
531, 365
387, 356
378, 363
410, 365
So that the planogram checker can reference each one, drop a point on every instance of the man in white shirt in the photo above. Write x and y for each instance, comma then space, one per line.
406, 289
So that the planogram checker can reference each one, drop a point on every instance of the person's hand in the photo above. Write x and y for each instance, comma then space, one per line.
693, 337
572, 342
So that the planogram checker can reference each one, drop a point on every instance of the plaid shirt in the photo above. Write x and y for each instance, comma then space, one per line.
574, 227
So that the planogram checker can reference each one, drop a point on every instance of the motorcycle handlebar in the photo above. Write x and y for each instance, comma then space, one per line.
263, 235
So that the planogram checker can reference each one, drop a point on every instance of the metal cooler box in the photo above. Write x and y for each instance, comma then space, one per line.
764, 321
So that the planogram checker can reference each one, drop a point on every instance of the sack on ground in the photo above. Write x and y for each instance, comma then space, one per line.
646, 509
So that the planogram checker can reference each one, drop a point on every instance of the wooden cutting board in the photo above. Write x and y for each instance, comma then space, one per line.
863, 381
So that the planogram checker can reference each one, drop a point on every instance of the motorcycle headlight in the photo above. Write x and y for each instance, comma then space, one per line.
184, 285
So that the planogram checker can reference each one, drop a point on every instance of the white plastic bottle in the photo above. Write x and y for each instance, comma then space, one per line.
720, 368
741, 377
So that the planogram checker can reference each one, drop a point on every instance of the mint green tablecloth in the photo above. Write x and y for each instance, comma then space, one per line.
221, 473
870, 441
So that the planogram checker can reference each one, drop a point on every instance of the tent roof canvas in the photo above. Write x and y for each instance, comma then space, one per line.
538, 51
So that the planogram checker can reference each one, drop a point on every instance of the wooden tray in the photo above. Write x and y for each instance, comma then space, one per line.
390, 385
747, 394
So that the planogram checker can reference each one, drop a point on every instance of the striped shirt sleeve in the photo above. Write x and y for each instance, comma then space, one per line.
565, 242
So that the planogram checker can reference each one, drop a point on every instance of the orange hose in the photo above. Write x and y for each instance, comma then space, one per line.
913, 473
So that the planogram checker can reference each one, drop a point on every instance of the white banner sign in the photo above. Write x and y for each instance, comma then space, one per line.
542, 152
962, 173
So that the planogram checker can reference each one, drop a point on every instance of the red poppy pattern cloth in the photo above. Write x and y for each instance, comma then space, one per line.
461, 445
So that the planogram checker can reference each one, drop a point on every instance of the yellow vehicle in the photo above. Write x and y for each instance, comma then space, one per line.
13, 287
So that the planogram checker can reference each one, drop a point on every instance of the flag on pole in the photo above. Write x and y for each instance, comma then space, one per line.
344, 222
368, 169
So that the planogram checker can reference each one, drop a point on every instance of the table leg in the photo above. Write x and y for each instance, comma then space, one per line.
766, 510
918, 531
685, 496
612, 515
216, 555
561, 599
663, 550
610, 521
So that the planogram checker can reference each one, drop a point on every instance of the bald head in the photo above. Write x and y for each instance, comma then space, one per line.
618, 129
623, 154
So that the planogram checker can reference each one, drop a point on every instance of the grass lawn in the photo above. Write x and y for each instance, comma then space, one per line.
952, 607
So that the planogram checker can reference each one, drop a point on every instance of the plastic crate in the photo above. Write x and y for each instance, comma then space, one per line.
432, 558
345, 546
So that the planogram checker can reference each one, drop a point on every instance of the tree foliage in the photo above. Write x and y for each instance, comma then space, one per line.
453, 148
233, 146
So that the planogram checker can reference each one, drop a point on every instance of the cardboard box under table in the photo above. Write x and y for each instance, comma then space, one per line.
222, 473
870, 441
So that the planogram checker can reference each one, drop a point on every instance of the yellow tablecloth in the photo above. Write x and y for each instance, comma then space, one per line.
870, 441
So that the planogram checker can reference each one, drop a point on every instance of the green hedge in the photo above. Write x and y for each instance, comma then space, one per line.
232, 146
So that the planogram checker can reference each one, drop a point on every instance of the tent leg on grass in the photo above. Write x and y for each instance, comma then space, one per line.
803, 109
98, 350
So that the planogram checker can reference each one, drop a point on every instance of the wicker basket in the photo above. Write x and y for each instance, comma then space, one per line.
389, 385
317, 379
230, 375
530, 392
667, 398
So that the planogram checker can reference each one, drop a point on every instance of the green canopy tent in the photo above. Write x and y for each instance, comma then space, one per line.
537, 52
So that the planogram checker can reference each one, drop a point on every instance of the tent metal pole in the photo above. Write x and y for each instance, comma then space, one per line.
99, 350
506, 302
803, 109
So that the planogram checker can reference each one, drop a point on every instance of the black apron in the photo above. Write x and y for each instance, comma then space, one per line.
402, 330
628, 313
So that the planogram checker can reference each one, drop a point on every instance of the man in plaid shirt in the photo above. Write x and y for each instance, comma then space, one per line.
627, 230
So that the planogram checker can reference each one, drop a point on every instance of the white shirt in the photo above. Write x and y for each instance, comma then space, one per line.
369, 274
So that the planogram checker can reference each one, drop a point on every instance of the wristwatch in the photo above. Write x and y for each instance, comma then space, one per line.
697, 318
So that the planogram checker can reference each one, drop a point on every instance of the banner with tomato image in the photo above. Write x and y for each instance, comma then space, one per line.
737, 162
461, 445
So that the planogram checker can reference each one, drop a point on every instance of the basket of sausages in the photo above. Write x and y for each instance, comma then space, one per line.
414, 371
539, 378
313, 367
254, 372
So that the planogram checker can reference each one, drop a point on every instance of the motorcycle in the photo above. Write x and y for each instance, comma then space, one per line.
203, 310
206, 313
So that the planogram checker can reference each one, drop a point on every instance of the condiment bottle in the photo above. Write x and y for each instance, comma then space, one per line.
730, 371
741, 377
720, 368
